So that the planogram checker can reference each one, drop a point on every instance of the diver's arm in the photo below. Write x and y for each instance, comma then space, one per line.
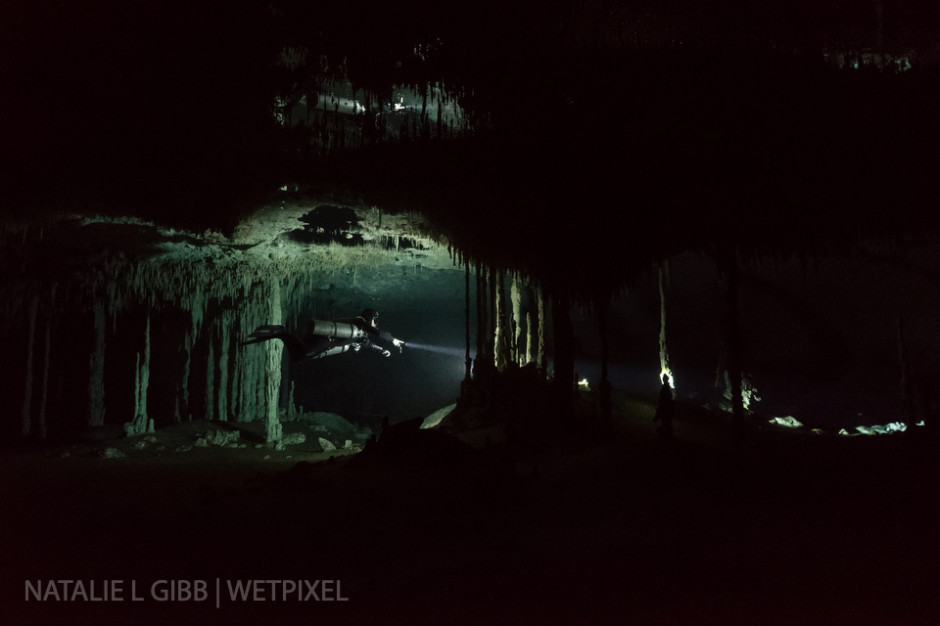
387, 336
377, 348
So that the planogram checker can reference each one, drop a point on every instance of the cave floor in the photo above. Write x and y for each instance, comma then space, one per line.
620, 529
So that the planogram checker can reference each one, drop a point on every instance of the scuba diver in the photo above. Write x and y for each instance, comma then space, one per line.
325, 339
666, 409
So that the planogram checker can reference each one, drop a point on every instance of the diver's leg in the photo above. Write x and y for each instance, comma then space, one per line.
268, 332
316, 347
295, 347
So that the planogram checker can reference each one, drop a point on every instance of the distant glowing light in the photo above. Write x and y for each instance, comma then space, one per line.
748, 392
584, 384
879, 429
672, 377
787, 421
882, 429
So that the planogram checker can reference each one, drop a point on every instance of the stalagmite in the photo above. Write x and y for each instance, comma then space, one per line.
96, 362
274, 353
28, 392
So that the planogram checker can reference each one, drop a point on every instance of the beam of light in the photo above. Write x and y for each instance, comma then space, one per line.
427, 347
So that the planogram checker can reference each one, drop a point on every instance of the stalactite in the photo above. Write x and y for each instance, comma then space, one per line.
245, 397
181, 407
43, 430
28, 388
467, 360
481, 313
604, 386
145, 379
500, 333
255, 387
239, 364
210, 381
491, 316
274, 351
244, 411
515, 295
907, 389
530, 341
440, 120
542, 355
291, 406
223, 390
733, 342
563, 375
141, 424
664, 365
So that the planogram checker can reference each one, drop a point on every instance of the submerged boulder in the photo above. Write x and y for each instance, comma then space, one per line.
292, 439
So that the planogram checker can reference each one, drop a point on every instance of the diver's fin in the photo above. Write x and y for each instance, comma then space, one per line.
294, 346
263, 333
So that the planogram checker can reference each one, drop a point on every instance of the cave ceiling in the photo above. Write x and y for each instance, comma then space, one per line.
540, 141
280, 238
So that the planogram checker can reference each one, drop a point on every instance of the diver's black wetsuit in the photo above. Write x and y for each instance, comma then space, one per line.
318, 346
